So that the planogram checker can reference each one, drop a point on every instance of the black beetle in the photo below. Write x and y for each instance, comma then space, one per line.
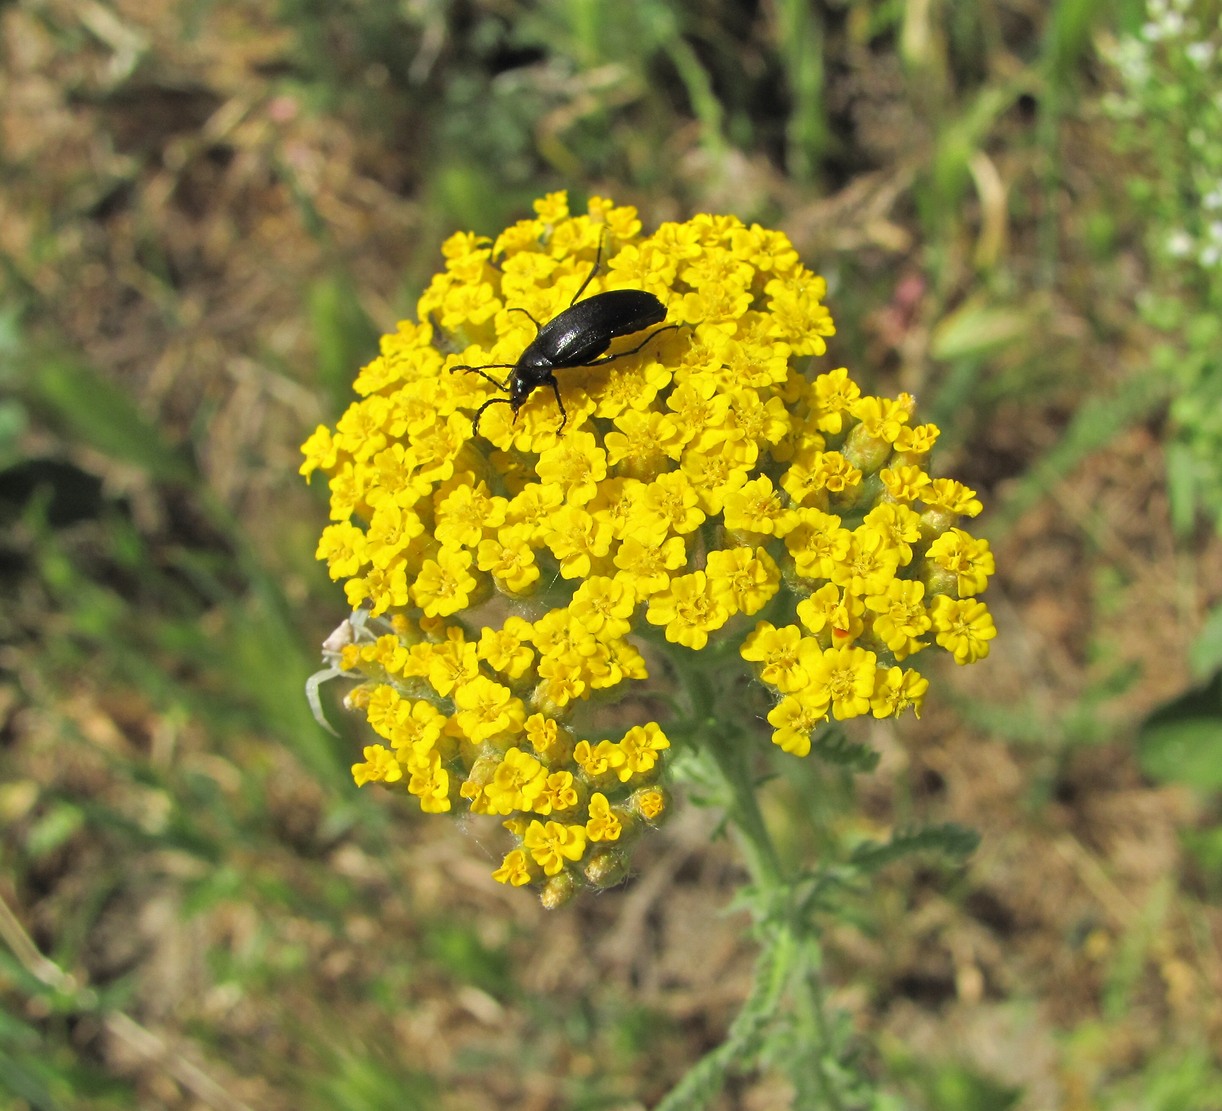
574, 338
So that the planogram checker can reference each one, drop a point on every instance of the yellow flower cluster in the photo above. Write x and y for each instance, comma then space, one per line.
505, 579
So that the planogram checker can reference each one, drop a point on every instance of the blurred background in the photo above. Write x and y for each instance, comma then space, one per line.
210, 209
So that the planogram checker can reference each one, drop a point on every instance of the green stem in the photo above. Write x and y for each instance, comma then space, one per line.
790, 950
729, 749
812, 1004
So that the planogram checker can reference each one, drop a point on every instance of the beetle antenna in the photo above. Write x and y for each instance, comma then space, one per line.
480, 412
487, 366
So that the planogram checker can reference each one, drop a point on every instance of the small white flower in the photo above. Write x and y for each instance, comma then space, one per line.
1200, 53
1180, 244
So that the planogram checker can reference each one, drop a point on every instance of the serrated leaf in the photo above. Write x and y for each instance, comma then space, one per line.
949, 840
834, 747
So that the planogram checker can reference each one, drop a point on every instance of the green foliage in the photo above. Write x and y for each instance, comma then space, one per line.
1188, 1080
358, 1081
458, 948
1182, 741
746, 1037
344, 334
834, 746
77, 399
471, 110
1169, 122
948, 840
1097, 422
948, 1086
1185, 1077
787, 1023
1206, 656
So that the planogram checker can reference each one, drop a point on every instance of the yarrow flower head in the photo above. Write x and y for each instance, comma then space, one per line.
711, 489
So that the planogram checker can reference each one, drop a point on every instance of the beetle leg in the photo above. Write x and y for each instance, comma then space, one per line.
631, 350
538, 326
590, 276
564, 417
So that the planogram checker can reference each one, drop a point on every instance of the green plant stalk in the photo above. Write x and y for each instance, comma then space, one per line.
724, 741
812, 1005
790, 957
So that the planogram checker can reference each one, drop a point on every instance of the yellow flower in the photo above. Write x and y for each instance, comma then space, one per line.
832, 395
706, 473
509, 559
505, 649
603, 606
604, 824
430, 783
640, 747
578, 540
688, 610
575, 466
870, 564
796, 718
899, 526
743, 580
514, 869
485, 709
391, 534
444, 585
968, 560
818, 543
418, 730
787, 656
380, 766
517, 782
844, 677
559, 793
951, 498
798, 311
755, 508
900, 617
466, 512
446, 666
644, 567
551, 844
387, 652
319, 451
964, 628
895, 690
649, 804
343, 547
551, 744
670, 504
835, 617
597, 761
